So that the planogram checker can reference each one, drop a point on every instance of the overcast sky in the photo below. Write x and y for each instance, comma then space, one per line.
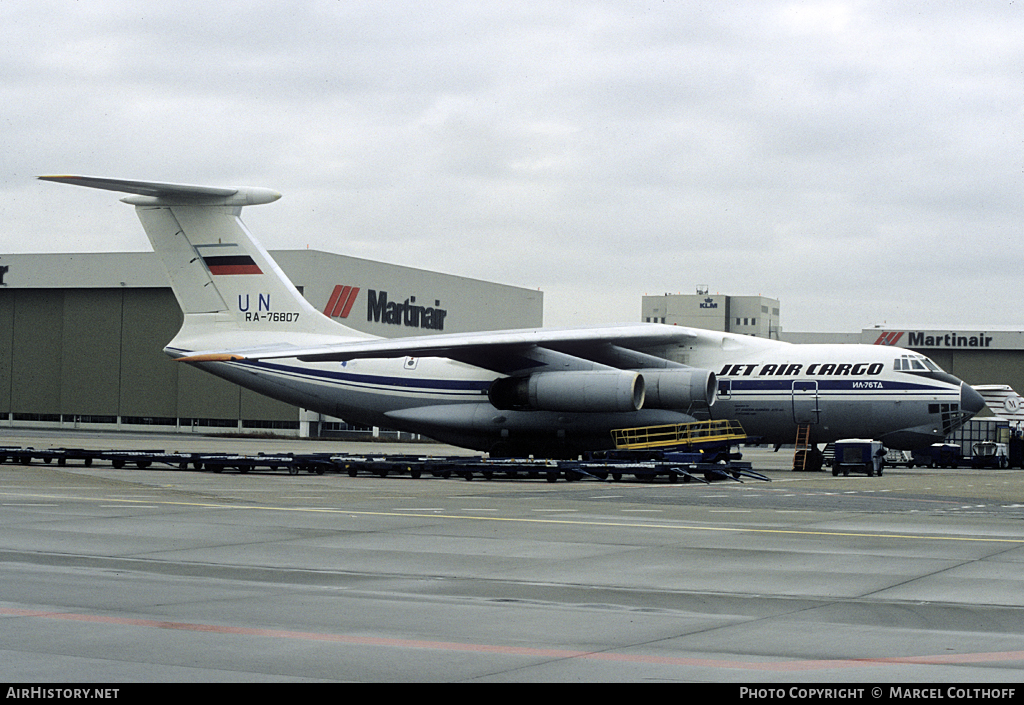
862, 162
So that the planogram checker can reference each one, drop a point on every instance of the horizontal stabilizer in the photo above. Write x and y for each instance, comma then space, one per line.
159, 193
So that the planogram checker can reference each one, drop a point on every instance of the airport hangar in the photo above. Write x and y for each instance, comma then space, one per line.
82, 337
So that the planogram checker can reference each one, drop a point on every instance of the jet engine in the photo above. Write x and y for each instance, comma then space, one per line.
611, 390
679, 388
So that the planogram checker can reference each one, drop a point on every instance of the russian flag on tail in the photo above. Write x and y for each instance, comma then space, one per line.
232, 264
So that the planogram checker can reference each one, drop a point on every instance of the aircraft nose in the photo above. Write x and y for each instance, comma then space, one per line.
970, 400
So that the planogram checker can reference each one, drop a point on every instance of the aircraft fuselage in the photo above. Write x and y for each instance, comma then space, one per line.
839, 391
843, 391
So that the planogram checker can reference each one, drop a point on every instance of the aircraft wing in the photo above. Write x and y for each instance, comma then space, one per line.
501, 351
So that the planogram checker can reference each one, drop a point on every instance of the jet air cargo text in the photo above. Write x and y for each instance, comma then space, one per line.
407, 313
835, 369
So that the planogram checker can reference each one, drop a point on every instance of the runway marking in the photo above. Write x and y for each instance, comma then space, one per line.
118, 506
526, 651
530, 520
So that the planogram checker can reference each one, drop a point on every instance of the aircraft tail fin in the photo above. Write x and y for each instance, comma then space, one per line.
230, 289
1003, 401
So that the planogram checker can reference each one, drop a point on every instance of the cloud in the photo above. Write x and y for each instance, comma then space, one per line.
859, 161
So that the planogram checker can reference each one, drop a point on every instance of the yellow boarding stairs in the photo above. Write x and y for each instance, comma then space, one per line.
676, 435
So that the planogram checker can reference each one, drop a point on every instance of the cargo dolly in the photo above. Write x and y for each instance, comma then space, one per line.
695, 451
699, 451
142, 459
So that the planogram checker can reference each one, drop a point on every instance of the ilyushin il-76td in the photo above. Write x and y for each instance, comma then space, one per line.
549, 392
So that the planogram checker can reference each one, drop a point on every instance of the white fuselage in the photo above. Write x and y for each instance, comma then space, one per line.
843, 391
839, 391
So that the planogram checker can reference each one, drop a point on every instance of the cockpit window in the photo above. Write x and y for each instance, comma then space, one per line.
907, 363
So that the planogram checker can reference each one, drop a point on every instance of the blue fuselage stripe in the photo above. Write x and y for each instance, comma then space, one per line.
408, 383
786, 386
379, 382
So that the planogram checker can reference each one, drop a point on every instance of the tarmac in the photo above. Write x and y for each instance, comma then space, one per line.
162, 575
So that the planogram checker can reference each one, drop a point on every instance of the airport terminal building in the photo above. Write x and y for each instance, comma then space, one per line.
82, 337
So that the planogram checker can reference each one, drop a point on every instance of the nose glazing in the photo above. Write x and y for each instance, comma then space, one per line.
970, 400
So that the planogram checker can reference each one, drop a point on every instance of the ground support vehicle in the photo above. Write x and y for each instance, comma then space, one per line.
989, 428
938, 455
858, 455
989, 454
895, 458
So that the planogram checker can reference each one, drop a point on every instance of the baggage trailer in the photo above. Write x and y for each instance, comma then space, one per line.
938, 455
858, 455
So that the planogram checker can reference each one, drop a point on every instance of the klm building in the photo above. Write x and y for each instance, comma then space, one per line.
746, 315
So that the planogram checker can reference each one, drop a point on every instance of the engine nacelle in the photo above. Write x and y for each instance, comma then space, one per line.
679, 388
612, 390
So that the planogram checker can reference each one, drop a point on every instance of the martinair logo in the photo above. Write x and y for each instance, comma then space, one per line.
379, 309
1012, 405
889, 338
340, 303
923, 339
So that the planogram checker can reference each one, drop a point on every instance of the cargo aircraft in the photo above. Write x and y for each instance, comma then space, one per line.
550, 392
